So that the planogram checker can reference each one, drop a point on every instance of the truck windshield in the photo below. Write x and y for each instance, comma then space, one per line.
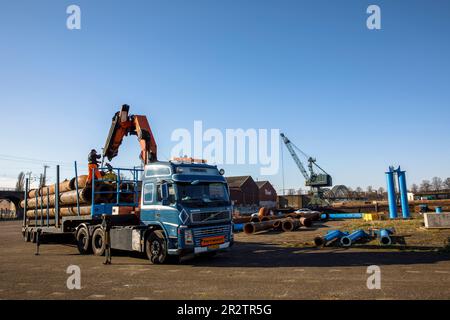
203, 194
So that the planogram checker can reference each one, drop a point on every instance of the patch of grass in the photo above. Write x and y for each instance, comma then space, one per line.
446, 248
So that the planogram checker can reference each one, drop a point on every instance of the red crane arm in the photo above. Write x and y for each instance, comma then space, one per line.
122, 125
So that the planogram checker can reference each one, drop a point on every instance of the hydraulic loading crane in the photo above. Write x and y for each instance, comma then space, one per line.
123, 125
312, 179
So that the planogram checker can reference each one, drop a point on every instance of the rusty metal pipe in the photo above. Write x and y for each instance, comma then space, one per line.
307, 222
252, 227
290, 224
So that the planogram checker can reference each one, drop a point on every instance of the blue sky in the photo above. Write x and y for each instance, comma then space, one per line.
358, 100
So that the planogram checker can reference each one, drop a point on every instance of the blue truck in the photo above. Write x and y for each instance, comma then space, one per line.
176, 209
166, 209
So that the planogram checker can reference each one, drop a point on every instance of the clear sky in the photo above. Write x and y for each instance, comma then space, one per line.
357, 99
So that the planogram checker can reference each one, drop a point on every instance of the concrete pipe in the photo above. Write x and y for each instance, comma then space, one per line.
253, 227
254, 219
290, 224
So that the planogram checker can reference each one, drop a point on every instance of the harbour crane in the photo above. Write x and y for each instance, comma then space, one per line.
312, 179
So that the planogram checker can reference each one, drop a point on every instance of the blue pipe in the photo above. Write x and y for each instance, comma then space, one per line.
347, 241
342, 216
238, 227
403, 193
330, 236
391, 193
438, 209
385, 238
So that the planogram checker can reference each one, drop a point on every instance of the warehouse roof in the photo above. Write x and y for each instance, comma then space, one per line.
261, 183
236, 182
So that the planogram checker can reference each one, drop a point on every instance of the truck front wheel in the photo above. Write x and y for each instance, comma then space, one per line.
156, 247
98, 242
83, 241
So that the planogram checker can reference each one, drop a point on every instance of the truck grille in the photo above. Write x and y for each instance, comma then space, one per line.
200, 233
210, 216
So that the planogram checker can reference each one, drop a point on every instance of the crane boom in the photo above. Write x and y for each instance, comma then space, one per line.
123, 125
288, 144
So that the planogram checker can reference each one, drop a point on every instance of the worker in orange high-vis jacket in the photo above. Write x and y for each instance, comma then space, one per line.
93, 166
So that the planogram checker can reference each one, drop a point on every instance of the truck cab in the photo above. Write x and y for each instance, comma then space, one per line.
187, 206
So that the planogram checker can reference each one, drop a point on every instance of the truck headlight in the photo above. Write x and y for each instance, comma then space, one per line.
188, 238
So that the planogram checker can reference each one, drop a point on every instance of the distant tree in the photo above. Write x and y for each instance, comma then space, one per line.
447, 183
414, 188
359, 190
425, 185
380, 190
291, 192
299, 191
20, 184
369, 189
436, 183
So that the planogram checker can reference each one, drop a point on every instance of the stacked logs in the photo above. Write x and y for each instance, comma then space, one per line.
42, 198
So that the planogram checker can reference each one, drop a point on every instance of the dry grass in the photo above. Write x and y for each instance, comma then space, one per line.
409, 234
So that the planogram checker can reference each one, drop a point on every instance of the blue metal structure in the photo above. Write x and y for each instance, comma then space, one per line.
347, 241
391, 193
403, 193
99, 208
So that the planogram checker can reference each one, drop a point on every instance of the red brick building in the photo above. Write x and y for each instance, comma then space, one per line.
267, 194
243, 191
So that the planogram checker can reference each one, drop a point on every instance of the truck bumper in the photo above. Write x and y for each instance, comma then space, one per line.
199, 250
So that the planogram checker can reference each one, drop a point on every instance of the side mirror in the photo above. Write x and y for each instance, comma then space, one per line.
165, 194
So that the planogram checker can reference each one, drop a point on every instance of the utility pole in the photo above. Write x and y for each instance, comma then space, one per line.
44, 176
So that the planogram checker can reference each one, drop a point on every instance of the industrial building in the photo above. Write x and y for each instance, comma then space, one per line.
267, 194
243, 191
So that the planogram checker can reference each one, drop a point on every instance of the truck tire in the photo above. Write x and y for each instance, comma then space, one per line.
98, 242
83, 241
156, 247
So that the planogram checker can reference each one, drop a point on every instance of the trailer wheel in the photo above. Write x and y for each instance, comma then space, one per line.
156, 247
83, 241
98, 242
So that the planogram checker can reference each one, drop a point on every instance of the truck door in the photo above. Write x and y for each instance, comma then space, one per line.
149, 207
